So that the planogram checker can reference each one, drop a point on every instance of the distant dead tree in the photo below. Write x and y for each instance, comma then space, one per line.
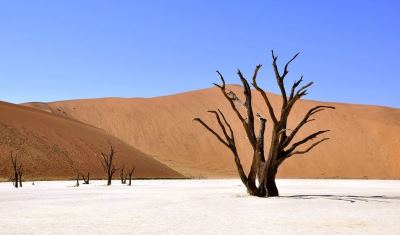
108, 164
130, 173
122, 176
18, 171
260, 181
86, 180
77, 181
15, 168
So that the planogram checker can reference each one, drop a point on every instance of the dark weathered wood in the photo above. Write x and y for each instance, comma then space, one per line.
86, 179
264, 95
77, 180
229, 140
14, 163
108, 164
122, 176
18, 171
264, 166
130, 174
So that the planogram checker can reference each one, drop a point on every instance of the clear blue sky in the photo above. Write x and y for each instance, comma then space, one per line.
55, 50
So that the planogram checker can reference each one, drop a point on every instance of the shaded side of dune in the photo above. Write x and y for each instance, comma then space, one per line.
54, 147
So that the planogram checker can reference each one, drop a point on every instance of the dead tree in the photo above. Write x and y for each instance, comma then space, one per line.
86, 180
77, 181
122, 176
17, 168
260, 180
108, 165
20, 173
130, 173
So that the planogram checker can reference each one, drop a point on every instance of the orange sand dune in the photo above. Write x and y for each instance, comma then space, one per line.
365, 140
50, 147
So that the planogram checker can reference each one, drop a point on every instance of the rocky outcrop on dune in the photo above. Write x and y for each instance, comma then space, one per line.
364, 140
54, 147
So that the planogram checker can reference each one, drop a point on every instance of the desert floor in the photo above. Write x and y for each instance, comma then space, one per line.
201, 207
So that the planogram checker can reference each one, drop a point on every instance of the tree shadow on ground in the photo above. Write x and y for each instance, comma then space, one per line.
348, 198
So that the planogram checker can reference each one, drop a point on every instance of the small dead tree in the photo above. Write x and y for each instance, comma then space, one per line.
86, 180
260, 180
18, 171
108, 164
122, 176
130, 173
77, 180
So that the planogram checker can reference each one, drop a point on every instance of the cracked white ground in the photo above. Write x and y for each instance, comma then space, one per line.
201, 207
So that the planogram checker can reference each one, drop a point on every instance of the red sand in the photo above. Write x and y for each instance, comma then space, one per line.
51, 147
364, 141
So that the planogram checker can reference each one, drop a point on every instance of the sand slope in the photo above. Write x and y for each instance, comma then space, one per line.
51, 146
364, 139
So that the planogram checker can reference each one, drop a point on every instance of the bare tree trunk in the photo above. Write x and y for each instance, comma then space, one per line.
20, 173
77, 181
16, 181
15, 168
86, 180
272, 190
130, 173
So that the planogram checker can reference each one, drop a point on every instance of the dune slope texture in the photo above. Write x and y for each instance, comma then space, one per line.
50, 146
364, 139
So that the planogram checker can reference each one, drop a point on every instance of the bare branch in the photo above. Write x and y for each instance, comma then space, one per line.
222, 80
304, 121
279, 80
295, 85
264, 95
230, 100
299, 94
306, 150
305, 140
231, 145
249, 126
220, 124
285, 71
228, 125
212, 131
303, 89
